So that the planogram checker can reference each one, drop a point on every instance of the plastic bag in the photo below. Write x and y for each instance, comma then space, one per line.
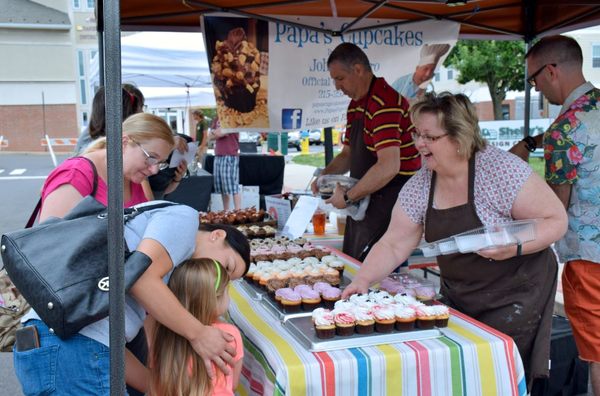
356, 211
327, 185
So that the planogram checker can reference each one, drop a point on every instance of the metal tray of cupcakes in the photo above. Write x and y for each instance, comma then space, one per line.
304, 332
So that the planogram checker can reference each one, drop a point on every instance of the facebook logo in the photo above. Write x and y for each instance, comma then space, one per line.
291, 118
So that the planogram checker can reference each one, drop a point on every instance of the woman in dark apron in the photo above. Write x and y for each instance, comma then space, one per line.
465, 185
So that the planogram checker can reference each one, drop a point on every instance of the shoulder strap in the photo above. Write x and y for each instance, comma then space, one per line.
95, 181
130, 213
34, 214
38, 206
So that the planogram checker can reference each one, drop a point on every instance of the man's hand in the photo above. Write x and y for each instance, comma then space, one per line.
337, 199
181, 144
314, 187
520, 150
213, 346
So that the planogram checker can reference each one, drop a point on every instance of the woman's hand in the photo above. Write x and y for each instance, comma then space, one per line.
357, 286
499, 253
213, 346
180, 171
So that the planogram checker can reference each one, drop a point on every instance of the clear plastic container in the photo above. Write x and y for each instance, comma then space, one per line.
327, 184
437, 248
496, 235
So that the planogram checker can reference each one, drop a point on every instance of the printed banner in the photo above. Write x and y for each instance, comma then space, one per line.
273, 77
506, 133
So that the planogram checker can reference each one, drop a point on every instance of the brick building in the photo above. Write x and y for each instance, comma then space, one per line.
44, 50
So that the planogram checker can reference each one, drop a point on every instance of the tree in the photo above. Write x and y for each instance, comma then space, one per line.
499, 64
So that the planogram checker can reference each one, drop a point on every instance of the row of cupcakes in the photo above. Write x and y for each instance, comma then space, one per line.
345, 320
277, 240
240, 216
273, 275
256, 231
408, 285
284, 252
305, 297
330, 261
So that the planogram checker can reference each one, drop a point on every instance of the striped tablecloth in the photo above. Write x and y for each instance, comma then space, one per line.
470, 358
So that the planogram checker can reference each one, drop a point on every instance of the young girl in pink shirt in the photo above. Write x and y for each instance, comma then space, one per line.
200, 285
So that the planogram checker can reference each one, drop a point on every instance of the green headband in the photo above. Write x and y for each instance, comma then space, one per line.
218, 281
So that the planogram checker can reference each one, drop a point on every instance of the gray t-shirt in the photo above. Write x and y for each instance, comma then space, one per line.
174, 227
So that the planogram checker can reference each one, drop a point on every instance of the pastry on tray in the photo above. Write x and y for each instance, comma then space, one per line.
324, 323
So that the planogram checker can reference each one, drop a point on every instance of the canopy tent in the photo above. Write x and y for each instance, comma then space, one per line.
170, 68
478, 18
513, 19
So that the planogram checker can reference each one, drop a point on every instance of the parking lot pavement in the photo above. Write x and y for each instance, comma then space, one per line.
297, 177
10, 385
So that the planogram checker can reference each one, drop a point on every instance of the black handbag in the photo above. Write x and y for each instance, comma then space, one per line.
61, 265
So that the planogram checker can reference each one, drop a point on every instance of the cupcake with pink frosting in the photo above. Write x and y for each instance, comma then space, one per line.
385, 318
425, 293
365, 322
320, 286
331, 296
290, 301
386, 283
310, 299
300, 288
405, 318
279, 293
426, 316
345, 322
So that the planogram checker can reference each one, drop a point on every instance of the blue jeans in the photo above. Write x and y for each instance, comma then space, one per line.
74, 366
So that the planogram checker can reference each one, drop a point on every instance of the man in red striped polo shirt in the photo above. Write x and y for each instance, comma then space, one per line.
378, 148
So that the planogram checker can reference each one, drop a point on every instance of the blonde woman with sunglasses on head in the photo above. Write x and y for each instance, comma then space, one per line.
147, 141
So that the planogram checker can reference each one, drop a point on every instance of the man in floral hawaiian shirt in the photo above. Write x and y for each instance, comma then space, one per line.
572, 153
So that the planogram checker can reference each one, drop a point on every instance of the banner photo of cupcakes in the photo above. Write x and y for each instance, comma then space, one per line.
238, 55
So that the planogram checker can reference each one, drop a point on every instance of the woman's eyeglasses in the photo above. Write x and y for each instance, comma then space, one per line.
426, 138
150, 159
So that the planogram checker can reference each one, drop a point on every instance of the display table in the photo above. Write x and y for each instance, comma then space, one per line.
470, 358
